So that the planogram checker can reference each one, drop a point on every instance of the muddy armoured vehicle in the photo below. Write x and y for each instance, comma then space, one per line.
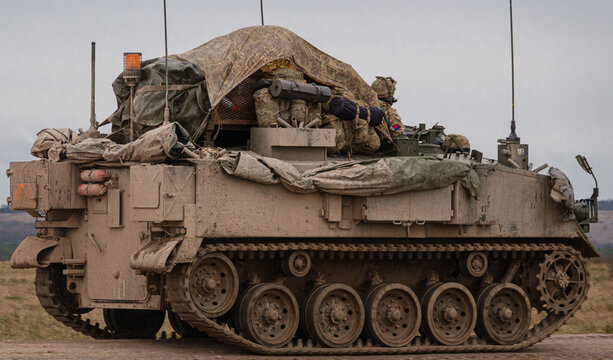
265, 235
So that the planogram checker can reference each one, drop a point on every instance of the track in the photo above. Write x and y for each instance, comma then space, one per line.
178, 296
560, 347
52, 294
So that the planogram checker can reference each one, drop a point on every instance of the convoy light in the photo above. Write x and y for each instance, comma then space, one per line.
131, 66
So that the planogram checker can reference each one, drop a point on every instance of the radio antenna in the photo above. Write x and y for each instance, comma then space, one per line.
92, 115
512, 137
262, 11
166, 109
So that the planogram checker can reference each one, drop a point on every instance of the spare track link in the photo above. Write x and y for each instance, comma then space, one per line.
50, 300
177, 296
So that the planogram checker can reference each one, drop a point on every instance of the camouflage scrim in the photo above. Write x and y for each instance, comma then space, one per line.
229, 59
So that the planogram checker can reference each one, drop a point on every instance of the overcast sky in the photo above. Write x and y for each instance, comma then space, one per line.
451, 60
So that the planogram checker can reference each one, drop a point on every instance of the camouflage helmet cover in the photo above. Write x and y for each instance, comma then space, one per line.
385, 87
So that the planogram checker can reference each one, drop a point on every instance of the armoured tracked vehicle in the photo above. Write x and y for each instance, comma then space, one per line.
261, 238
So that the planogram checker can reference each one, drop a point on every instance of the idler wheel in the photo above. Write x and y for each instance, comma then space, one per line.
504, 313
334, 315
182, 327
449, 313
562, 281
269, 314
393, 314
134, 324
213, 284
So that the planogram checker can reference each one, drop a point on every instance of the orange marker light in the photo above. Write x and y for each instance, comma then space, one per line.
131, 66
131, 61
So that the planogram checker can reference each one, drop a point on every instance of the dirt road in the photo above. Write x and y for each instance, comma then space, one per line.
557, 347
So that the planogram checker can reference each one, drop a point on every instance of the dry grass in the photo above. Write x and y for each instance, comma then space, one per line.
596, 313
22, 317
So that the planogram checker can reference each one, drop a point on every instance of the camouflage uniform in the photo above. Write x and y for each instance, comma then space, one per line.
452, 141
385, 87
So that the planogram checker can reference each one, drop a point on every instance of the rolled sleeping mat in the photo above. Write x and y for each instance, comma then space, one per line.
303, 91
345, 109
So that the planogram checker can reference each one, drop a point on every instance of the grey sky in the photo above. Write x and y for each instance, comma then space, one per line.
451, 60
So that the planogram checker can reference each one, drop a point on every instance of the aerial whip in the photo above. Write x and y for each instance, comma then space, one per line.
512, 136
166, 109
262, 11
92, 116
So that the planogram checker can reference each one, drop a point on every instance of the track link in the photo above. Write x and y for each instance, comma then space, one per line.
177, 296
49, 294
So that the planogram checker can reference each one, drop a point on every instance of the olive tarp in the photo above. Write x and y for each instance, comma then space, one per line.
382, 176
187, 99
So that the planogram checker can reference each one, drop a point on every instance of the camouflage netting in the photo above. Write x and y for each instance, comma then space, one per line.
229, 59
200, 78
383, 176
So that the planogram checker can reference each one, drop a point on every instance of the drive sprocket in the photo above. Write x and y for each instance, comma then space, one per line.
562, 281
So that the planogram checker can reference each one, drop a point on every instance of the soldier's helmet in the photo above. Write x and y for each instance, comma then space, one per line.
455, 142
385, 87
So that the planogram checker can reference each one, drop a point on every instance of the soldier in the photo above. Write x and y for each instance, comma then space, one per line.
385, 88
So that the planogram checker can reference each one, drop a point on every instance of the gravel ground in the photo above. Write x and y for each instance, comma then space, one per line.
574, 347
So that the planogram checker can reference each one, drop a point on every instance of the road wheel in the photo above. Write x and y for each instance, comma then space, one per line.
449, 313
334, 315
269, 314
504, 313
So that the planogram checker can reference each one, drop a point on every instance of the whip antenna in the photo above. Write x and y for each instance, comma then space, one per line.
92, 115
512, 136
166, 109
262, 11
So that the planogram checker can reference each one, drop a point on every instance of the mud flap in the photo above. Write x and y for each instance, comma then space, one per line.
154, 257
27, 253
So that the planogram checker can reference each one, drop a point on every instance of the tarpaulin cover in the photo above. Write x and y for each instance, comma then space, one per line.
186, 97
198, 79
562, 192
383, 176
157, 145
163, 143
229, 59
46, 138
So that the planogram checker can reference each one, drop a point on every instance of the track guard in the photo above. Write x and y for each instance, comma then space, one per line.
27, 253
161, 255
